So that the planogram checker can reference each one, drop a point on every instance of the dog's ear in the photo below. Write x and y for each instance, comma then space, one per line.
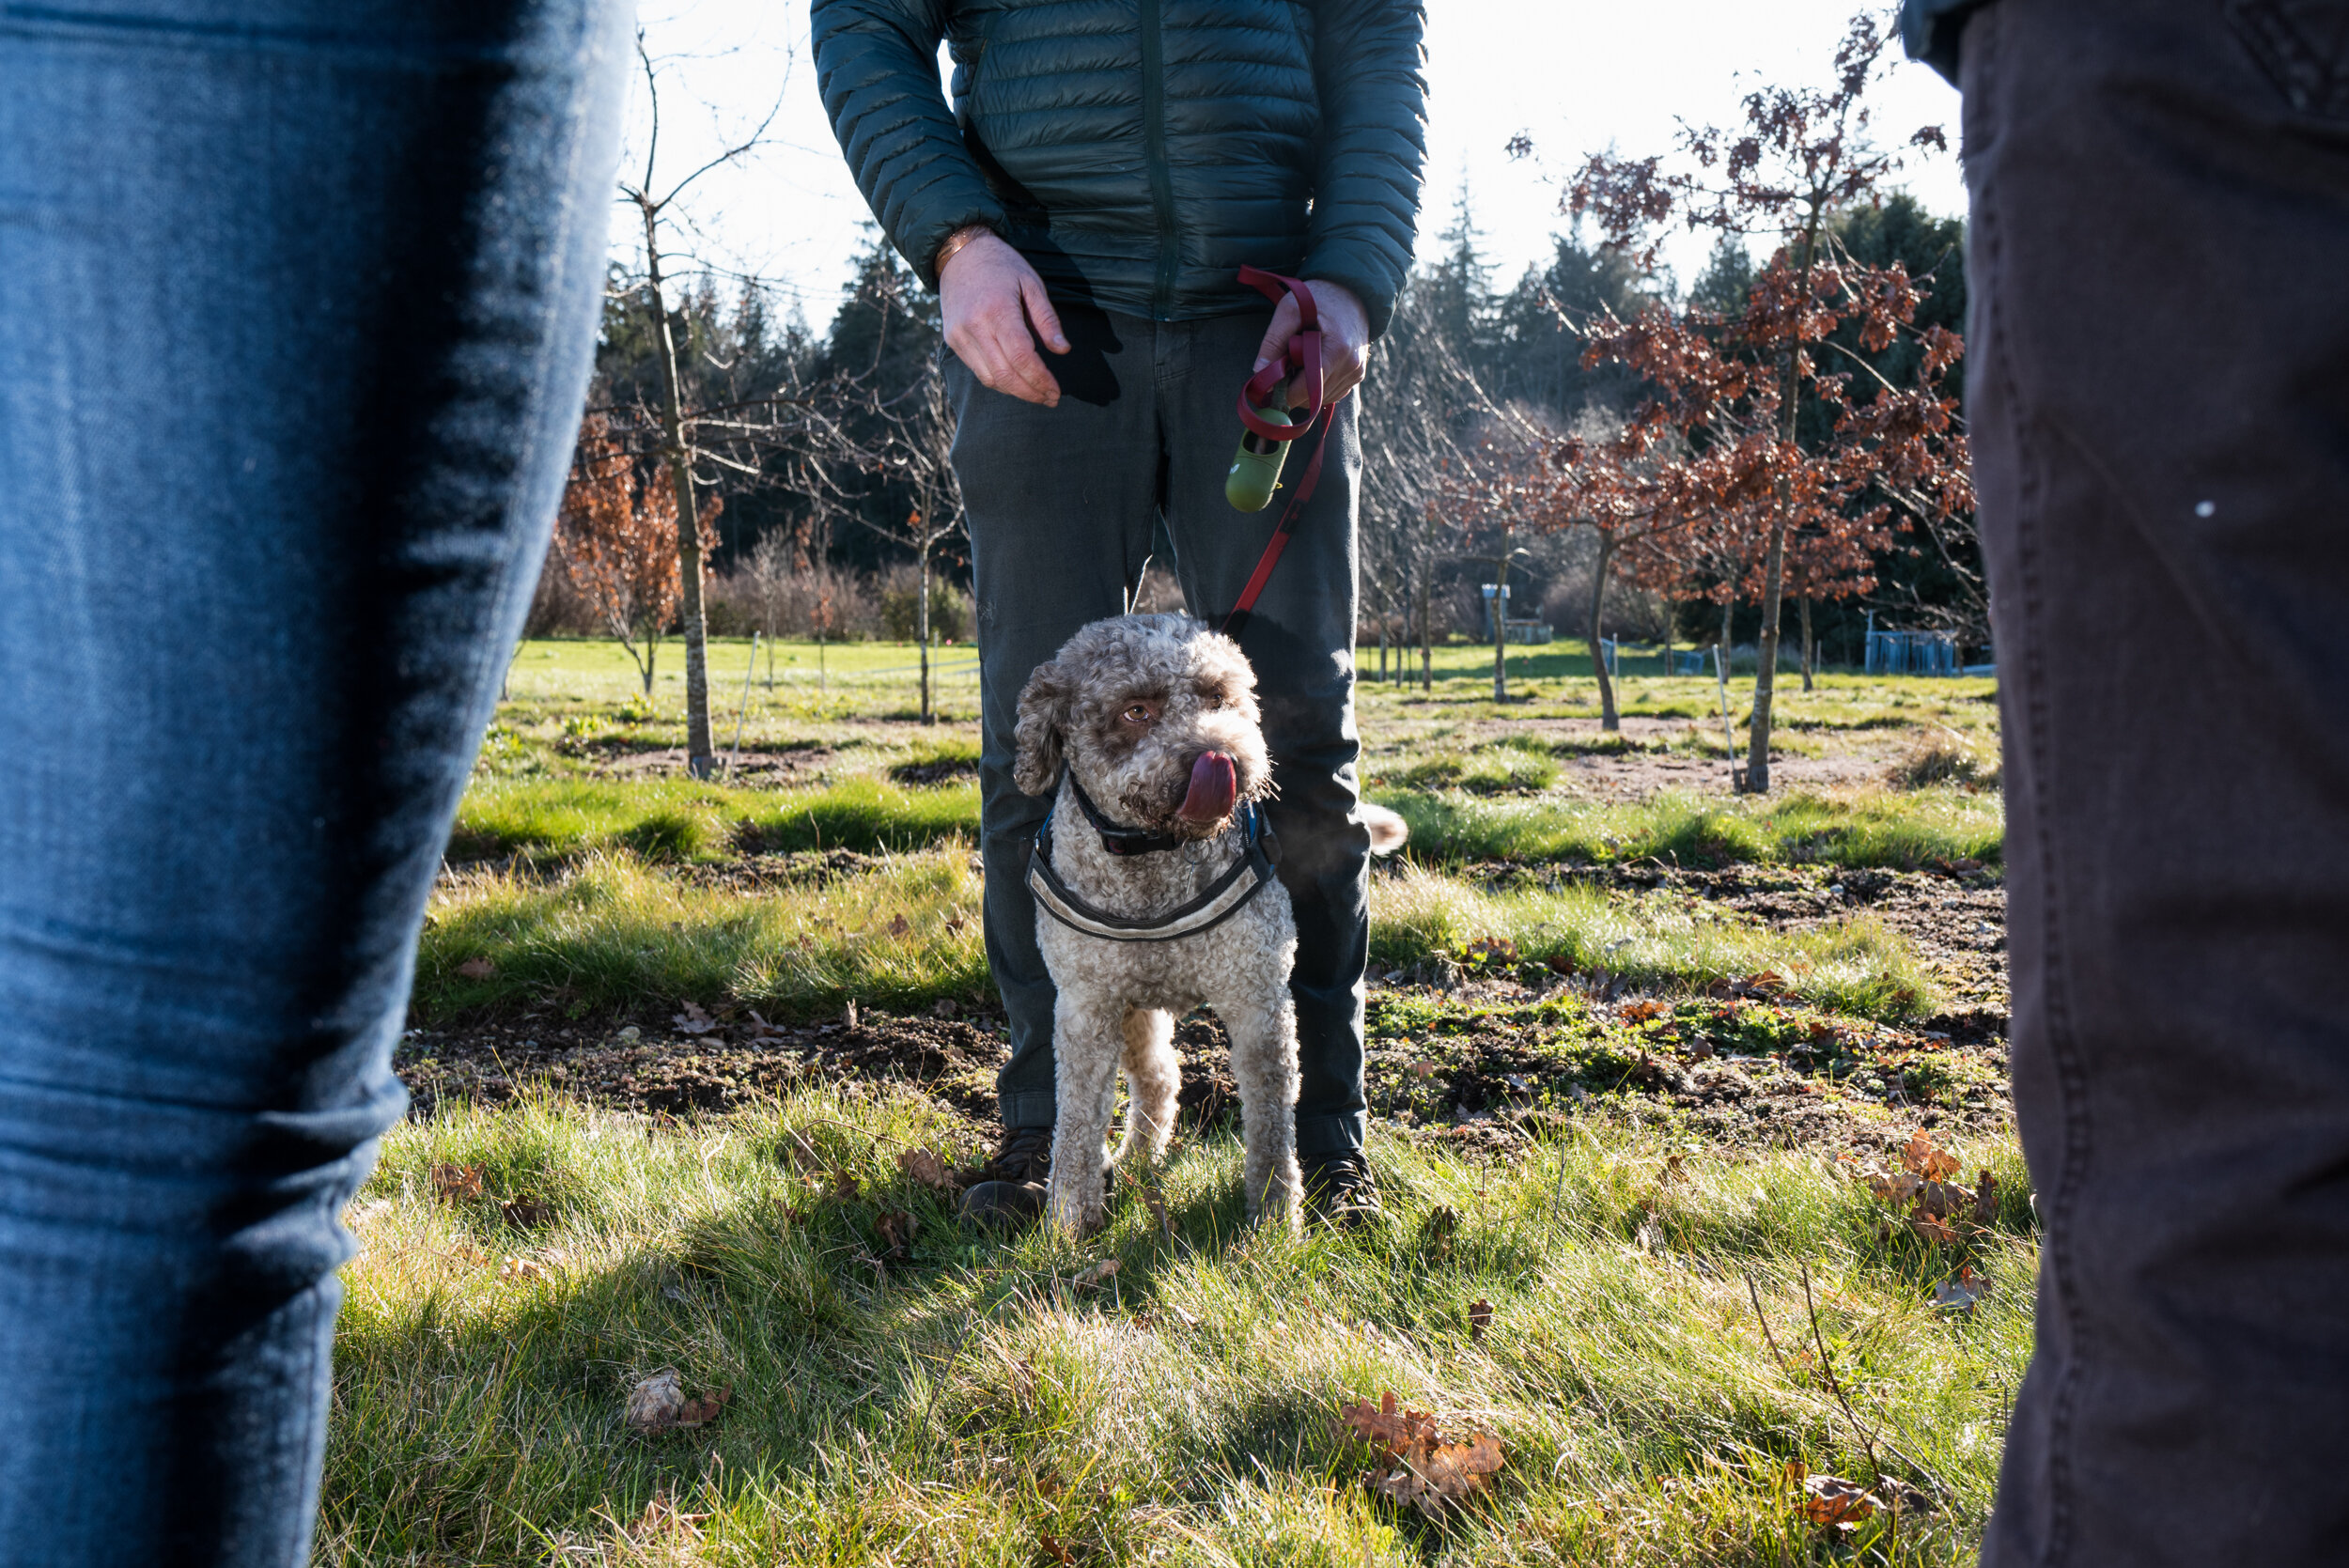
1043, 716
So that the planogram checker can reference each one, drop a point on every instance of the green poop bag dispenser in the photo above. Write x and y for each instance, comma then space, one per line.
1256, 466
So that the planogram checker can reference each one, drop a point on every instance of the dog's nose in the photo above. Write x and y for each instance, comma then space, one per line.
1214, 785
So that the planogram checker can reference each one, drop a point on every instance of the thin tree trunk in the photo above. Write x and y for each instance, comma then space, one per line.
1500, 634
922, 623
1774, 564
1729, 607
1764, 684
1426, 643
700, 755
1607, 719
1806, 642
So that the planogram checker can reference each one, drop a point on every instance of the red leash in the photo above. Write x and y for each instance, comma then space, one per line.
1302, 358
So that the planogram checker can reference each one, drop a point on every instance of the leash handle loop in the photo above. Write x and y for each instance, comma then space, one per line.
1300, 357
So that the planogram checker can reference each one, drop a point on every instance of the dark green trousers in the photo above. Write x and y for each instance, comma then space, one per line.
1061, 503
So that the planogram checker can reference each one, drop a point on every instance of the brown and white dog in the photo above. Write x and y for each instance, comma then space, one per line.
1155, 894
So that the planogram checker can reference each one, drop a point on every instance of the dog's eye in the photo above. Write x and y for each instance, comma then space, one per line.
1139, 714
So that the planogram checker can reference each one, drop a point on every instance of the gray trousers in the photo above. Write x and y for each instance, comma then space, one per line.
2159, 406
1061, 503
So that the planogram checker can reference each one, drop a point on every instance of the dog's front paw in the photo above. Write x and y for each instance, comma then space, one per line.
1278, 1203
1067, 1206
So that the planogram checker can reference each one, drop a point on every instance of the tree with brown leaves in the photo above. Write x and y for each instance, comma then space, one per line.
1783, 447
615, 539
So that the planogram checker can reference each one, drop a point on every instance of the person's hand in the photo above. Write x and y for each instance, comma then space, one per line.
1345, 338
989, 294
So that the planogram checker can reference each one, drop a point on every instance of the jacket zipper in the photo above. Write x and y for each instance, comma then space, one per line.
1154, 157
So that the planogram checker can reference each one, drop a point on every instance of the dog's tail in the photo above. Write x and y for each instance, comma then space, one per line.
1388, 832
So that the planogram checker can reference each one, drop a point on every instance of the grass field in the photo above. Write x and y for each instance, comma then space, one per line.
1631, 1039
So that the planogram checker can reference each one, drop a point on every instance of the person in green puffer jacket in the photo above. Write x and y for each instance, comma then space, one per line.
1139, 152
1083, 206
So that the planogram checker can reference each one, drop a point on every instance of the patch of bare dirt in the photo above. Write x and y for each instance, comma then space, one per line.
936, 772
787, 767
688, 1062
1955, 921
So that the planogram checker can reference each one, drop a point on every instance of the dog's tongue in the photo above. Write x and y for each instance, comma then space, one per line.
1213, 784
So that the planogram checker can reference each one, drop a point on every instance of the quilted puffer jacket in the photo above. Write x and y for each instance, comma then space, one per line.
1140, 151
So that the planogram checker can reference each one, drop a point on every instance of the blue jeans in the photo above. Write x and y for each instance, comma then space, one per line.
295, 325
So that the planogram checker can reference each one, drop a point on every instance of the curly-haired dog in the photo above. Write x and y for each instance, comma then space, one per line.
1155, 893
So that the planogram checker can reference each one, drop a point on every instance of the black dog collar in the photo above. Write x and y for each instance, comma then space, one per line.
1119, 840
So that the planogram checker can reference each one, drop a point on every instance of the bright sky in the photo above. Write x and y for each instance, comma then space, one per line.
1573, 76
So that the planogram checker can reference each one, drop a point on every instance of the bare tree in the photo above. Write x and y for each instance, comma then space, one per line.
653, 203
1424, 415
915, 449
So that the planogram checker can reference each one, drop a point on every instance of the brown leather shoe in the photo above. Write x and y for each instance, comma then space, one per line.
1340, 1192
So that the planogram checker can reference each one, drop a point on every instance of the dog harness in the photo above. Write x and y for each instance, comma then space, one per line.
1223, 898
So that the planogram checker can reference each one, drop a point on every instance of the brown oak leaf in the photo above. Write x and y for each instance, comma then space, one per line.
924, 1167
1832, 1503
1480, 1317
1416, 1464
453, 1183
1986, 1199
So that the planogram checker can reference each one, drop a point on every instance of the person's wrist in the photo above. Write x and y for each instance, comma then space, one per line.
1352, 299
956, 244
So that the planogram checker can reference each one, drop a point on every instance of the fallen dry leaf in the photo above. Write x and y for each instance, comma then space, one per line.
897, 1227
693, 1020
702, 1411
658, 1403
1928, 1159
1416, 1465
925, 1168
1832, 1503
1960, 1294
477, 968
1100, 1274
453, 1183
1050, 1545
1986, 1199
1480, 1317
1641, 1012
524, 1213
1929, 1228
899, 926
653, 1404
520, 1268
